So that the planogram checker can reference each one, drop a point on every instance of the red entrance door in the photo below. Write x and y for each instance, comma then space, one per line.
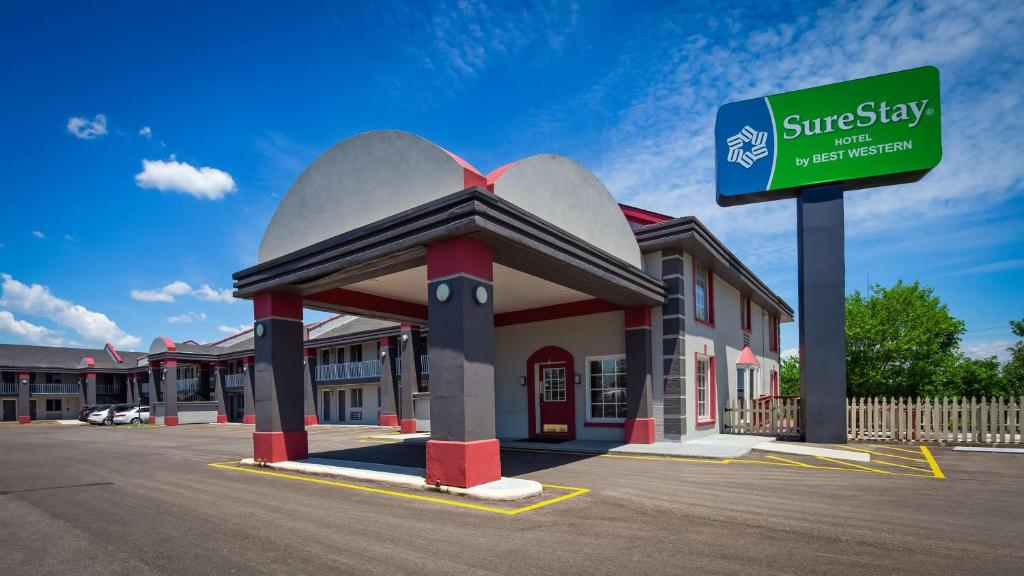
551, 395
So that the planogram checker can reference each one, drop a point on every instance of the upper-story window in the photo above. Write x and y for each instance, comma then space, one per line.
355, 353
325, 356
745, 318
703, 294
773, 334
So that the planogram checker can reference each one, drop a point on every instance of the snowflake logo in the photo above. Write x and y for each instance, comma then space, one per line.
737, 146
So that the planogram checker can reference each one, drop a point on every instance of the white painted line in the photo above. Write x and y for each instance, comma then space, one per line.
805, 450
984, 449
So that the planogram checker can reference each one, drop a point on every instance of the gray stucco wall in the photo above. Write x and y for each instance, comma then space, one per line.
582, 336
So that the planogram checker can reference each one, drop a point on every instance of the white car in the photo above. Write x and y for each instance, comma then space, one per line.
132, 415
101, 415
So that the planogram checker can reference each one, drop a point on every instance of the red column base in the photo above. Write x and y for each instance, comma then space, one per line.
152, 419
408, 426
24, 419
170, 420
280, 446
311, 420
463, 464
222, 418
389, 419
249, 419
640, 431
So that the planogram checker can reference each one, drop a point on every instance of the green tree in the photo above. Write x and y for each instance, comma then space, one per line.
968, 377
789, 376
1013, 371
899, 341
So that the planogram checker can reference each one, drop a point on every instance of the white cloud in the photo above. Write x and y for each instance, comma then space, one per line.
38, 234
173, 176
69, 237
979, 350
146, 132
37, 300
87, 129
181, 288
233, 329
27, 331
165, 294
187, 318
790, 352
204, 292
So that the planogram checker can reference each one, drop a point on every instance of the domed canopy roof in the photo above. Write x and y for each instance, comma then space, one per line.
373, 175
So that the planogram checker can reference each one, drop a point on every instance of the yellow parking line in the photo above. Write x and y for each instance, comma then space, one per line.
844, 463
931, 462
925, 470
792, 462
881, 446
574, 491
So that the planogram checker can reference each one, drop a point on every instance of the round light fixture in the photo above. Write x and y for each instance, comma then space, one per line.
480, 294
443, 292
259, 330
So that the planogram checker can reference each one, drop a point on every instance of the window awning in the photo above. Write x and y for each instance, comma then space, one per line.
747, 358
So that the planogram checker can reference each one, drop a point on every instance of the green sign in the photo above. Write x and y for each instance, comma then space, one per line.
861, 133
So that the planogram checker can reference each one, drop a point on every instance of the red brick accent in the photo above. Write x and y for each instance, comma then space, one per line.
170, 420
460, 255
222, 418
280, 446
249, 419
152, 419
408, 425
24, 419
277, 304
389, 419
311, 420
463, 464
640, 431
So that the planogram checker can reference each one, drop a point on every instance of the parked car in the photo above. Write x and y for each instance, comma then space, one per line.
103, 414
83, 414
132, 415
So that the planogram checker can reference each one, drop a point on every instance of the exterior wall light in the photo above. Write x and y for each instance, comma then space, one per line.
405, 337
443, 292
522, 380
480, 294
259, 330
383, 352
577, 379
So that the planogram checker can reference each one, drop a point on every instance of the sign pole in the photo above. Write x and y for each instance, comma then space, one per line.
822, 312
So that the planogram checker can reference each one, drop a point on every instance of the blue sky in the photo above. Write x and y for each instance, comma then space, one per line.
226, 106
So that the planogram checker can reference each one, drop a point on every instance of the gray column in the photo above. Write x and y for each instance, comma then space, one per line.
248, 386
206, 386
156, 374
409, 342
822, 289
673, 343
218, 391
90, 388
129, 393
309, 400
170, 386
24, 407
136, 392
387, 384
280, 423
639, 427
462, 450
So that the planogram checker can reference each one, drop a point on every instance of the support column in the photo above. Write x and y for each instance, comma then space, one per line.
24, 399
218, 391
248, 385
639, 394
90, 387
206, 385
309, 387
129, 392
170, 382
387, 383
673, 343
280, 424
822, 286
135, 388
155, 388
411, 370
462, 450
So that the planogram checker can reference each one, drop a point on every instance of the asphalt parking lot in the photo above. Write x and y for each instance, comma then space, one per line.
90, 500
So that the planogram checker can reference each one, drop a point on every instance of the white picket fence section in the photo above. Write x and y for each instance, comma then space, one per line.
985, 421
770, 416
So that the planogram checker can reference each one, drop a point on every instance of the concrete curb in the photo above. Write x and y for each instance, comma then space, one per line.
404, 476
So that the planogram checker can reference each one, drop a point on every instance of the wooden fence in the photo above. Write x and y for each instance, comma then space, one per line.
769, 416
985, 421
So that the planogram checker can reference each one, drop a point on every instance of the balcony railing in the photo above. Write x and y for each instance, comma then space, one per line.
54, 389
424, 365
348, 370
108, 389
9, 388
234, 380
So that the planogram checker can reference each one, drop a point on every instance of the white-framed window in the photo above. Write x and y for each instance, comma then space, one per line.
553, 378
704, 369
357, 398
703, 294
606, 388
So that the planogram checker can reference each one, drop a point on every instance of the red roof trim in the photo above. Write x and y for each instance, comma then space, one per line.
641, 216
113, 353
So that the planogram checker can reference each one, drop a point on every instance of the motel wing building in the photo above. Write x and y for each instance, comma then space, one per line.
524, 304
